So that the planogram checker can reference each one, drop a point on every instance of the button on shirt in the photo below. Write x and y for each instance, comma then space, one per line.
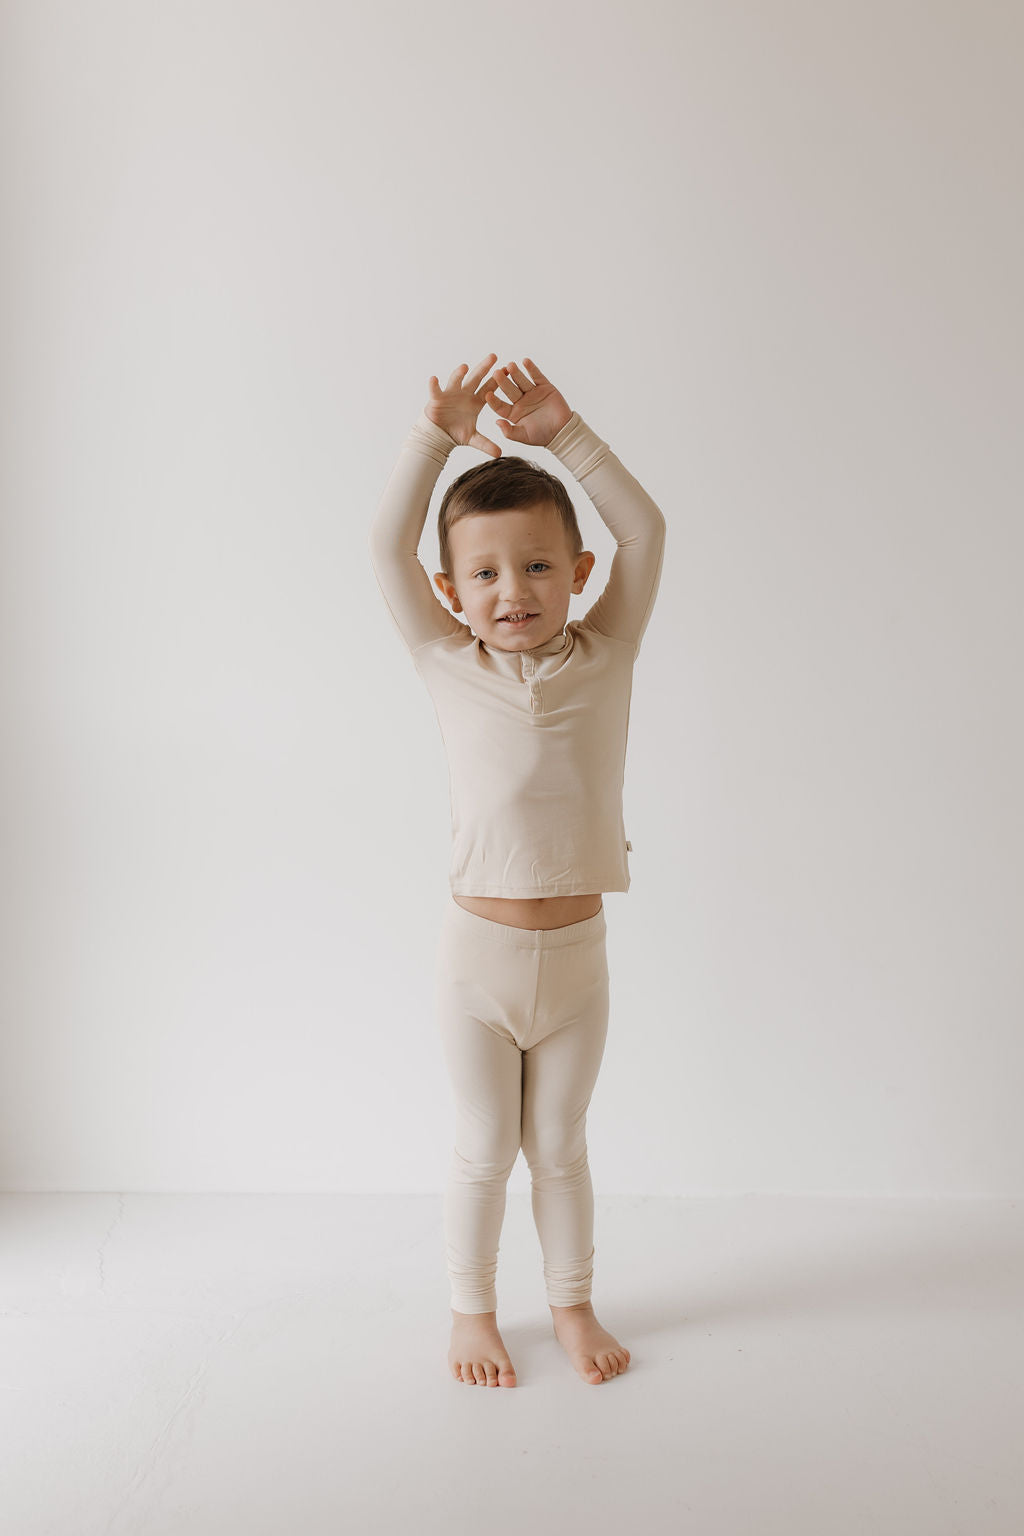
535, 739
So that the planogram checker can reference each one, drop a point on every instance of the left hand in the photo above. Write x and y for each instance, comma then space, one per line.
537, 411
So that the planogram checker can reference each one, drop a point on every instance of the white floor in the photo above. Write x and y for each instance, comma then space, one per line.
183, 1365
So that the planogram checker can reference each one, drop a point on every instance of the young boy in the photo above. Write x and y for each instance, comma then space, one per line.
534, 714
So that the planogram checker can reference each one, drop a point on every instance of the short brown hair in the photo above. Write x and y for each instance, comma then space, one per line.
501, 485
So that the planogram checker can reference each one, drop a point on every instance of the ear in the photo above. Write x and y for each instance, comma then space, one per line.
585, 563
447, 591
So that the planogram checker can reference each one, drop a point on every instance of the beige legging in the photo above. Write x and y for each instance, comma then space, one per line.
523, 1016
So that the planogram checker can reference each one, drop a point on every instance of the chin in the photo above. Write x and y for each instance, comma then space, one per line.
512, 639
533, 635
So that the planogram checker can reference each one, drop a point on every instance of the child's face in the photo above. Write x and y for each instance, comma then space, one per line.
513, 562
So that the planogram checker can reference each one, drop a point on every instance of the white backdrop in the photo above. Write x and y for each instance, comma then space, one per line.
772, 253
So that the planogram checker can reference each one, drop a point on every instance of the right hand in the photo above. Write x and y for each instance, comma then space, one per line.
456, 407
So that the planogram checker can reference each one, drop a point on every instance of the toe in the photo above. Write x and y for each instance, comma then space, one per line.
491, 1371
479, 1373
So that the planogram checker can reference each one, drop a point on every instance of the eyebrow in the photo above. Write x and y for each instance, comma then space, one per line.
479, 559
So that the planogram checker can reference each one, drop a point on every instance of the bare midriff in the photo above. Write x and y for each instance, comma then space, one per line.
534, 911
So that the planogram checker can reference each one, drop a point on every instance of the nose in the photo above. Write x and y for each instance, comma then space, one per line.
515, 598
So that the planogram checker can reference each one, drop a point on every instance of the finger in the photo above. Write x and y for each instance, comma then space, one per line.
456, 375
513, 391
520, 377
481, 368
509, 385
485, 444
486, 388
538, 377
499, 406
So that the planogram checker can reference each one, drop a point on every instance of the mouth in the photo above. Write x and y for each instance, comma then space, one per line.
516, 622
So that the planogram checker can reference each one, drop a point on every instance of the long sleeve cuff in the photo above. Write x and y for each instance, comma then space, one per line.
432, 438
578, 446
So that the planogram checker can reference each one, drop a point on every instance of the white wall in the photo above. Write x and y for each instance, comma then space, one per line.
772, 253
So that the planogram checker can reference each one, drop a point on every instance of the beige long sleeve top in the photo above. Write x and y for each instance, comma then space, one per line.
535, 739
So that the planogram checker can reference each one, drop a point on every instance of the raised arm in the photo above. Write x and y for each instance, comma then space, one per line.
537, 413
397, 526
635, 521
395, 533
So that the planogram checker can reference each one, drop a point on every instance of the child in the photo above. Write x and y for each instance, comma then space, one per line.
534, 713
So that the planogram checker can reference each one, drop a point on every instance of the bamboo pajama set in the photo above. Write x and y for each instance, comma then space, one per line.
536, 743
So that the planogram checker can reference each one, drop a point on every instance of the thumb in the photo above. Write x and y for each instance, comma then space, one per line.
478, 440
515, 433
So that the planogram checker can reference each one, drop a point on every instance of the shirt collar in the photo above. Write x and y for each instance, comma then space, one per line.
551, 647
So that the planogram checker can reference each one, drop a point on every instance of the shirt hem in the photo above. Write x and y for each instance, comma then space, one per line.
529, 893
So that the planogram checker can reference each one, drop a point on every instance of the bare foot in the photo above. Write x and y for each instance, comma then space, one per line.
591, 1348
478, 1352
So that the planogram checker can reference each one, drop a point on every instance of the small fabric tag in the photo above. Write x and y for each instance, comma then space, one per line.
629, 846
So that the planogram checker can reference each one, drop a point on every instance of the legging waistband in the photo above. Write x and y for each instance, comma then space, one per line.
525, 938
